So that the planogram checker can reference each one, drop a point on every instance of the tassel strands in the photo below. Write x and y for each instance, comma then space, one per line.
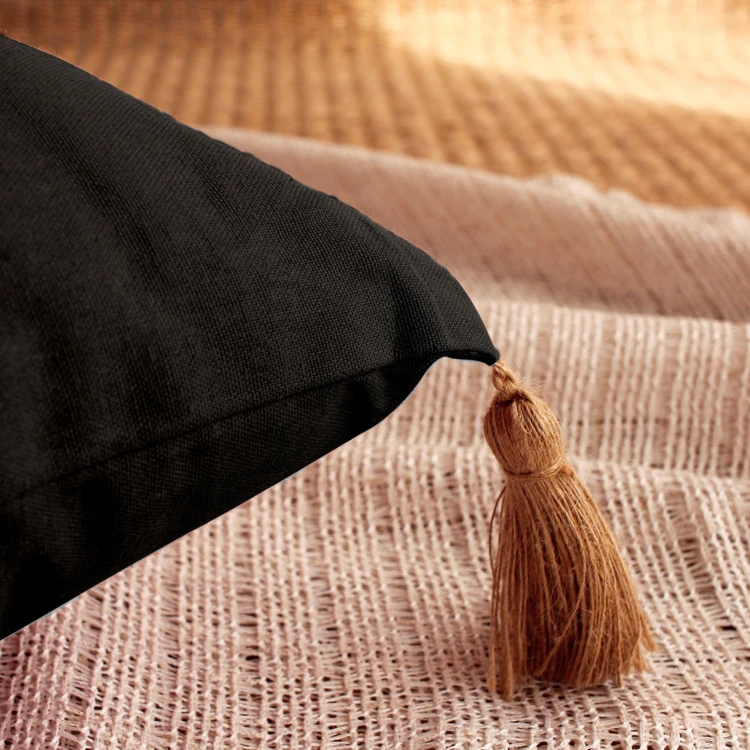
564, 607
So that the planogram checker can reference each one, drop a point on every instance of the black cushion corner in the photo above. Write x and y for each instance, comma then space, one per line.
183, 326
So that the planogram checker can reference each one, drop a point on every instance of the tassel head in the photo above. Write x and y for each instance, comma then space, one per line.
564, 607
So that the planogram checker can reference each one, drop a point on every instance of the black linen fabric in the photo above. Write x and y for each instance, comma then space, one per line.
182, 327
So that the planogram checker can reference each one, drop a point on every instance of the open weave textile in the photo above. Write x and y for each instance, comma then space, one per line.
348, 606
649, 96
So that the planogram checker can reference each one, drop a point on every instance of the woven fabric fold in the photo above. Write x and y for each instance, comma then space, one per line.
348, 606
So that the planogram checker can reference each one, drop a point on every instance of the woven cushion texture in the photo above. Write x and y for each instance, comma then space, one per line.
183, 326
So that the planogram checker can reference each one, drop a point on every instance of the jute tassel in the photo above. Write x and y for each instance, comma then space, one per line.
564, 607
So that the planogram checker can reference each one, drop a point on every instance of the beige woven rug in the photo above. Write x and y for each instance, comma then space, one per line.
651, 96
347, 607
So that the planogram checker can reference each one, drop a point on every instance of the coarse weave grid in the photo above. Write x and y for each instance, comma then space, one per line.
347, 607
652, 97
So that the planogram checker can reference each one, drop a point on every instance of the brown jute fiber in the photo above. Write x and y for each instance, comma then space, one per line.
563, 604
650, 97
348, 606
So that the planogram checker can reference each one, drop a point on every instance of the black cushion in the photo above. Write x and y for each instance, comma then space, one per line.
182, 327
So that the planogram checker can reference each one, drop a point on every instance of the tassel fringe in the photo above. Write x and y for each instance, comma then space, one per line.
564, 607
